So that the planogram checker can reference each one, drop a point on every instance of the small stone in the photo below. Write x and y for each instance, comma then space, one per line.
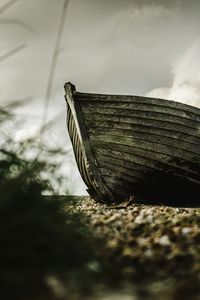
164, 240
140, 218
112, 244
127, 251
142, 241
186, 230
148, 253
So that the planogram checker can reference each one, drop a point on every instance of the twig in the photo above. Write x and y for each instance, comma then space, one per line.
7, 5
12, 52
14, 21
124, 204
53, 67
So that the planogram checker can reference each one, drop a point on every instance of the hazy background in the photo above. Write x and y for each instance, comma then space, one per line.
139, 47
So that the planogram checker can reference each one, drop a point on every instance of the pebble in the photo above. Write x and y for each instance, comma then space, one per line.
186, 230
151, 236
164, 240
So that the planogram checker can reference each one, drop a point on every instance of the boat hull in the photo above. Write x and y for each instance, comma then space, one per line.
132, 145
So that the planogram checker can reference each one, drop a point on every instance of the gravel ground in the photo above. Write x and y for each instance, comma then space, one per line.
144, 251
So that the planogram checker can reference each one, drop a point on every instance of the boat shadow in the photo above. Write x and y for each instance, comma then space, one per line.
169, 191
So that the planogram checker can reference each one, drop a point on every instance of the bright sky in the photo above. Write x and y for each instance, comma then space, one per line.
145, 47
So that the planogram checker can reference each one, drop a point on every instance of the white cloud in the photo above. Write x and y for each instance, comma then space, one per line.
186, 84
146, 11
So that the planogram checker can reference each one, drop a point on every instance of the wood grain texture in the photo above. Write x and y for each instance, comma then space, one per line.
143, 146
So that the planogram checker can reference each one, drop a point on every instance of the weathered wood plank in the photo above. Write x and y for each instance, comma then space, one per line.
142, 129
100, 139
146, 136
138, 106
120, 167
136, 99
106, 171
143, 125
90, 112
139, 167
120, 184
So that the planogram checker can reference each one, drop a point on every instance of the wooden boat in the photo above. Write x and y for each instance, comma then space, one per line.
133, 145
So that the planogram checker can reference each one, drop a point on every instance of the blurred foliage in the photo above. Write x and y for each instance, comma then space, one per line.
30, 154
42, 248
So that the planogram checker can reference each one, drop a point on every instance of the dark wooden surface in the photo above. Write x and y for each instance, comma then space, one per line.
141, 146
